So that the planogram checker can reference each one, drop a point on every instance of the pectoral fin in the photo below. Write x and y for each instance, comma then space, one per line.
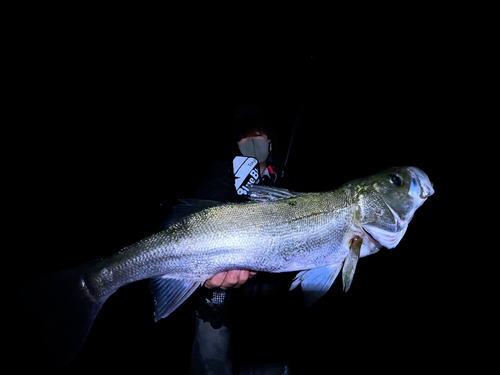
351, 261
316, 282
170, 294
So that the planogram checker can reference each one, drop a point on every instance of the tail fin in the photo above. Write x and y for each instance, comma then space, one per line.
65, 309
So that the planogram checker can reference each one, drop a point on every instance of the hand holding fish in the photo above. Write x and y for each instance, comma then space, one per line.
229, 279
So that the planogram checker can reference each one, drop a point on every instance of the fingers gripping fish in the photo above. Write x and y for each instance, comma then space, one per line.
318, 234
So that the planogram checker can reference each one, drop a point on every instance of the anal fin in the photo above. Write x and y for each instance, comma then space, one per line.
170, 294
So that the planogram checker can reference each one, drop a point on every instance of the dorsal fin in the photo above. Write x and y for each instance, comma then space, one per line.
258, 193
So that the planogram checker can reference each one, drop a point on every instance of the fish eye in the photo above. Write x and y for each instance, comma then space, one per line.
396, 180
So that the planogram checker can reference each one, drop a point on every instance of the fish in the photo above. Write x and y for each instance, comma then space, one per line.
316, 234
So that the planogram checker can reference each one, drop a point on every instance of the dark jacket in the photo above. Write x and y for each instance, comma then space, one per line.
218, 183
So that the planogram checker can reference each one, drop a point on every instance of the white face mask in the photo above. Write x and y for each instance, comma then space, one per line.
255, 148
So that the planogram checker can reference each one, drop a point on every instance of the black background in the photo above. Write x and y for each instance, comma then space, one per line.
113, 126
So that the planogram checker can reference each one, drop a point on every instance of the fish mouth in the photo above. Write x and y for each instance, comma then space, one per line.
425, 188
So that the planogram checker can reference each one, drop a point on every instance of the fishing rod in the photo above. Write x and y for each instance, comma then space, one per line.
310, 67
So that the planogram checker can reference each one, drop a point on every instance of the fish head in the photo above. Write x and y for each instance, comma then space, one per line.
394, 196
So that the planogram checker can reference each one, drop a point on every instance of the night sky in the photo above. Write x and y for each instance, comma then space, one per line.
112, 131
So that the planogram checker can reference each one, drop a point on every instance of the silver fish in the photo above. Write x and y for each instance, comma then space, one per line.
318, 234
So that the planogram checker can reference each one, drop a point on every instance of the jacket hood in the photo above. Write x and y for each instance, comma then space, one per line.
250, 115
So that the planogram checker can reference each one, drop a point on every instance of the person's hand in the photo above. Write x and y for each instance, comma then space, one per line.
229, 279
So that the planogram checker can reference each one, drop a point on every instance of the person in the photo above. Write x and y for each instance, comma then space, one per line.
243, 318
